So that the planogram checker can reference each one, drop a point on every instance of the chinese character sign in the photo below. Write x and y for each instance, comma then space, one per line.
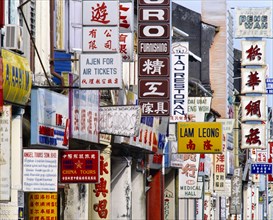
253, 108
253, 80
126, 17
253, 53
253, 136
199, 137
253, 22
179, 80
236, 192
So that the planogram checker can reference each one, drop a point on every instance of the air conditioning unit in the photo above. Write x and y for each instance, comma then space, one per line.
13, 38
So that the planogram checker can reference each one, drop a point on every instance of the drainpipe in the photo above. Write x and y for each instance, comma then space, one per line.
51, 61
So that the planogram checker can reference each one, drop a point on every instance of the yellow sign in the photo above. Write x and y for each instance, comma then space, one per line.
43, 206
199, 137
17, 78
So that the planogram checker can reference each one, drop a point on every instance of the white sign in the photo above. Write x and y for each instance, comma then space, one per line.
253, 53
100, 71
199, 105
253, 136
126, 16
253, 22
227, 125
120, 120
253, 80
179, 80
40, 170
253, 108
188, 185
126, 46
100, 39
5, 149
100, 12
49, 119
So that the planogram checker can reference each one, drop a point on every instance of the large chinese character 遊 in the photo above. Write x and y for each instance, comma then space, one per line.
100, 13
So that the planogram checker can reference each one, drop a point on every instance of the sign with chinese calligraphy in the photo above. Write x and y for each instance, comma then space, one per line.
100, 13
156, 108
40, 170
153, 66
199, 137
236, 192
84, 113
179, 80
100, 39
126, 46
253, 135
253, 22
100, 71
261, 168
43, 205
49, 119
154, 88
270, 158
100, 192
126, 17
253, 53
253, 108
5, 153
188, 185
120, 120
253, 80
79, 166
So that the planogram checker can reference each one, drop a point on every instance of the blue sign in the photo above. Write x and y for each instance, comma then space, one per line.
269, 85
261, 168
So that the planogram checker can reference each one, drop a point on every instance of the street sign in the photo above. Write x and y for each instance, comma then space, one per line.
261, 168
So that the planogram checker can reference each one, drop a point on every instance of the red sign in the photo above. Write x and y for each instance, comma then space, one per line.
270, 159
153, 66
80, 166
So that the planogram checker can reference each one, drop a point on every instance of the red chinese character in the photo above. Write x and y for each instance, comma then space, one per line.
206, 217
101, 208
122, 38
103, 166
220, 168
101, 188
189, 168
253, 108
99, 13
123, 18
191, 157
253, 137
253, 52
93, 33
253, 80
108, 44
220, 158
83, 122
92, 44
207, 145
89, 122
201, 167
191, 145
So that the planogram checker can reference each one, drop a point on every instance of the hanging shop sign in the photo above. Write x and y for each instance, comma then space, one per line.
49, 119
40, 170
253, 136
100, 12
99, 71
43, 205
253, 80
80, 166
100, 39
17, 78
154, 47
253, 53
198, 105
120, 120
1, 87
126, 17
5, 153
269, 85
253, 108
227, 125
153, 14
84, 113
261, 168
154, 88
126, 46
179, 80
253, 22
270, 159
236, 192
199, 137
153, 66
188, 174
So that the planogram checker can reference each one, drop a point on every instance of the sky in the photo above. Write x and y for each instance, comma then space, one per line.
195, 5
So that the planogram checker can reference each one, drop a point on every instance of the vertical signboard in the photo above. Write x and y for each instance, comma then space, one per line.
179, 81
236, 192
153, 48
5, 154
